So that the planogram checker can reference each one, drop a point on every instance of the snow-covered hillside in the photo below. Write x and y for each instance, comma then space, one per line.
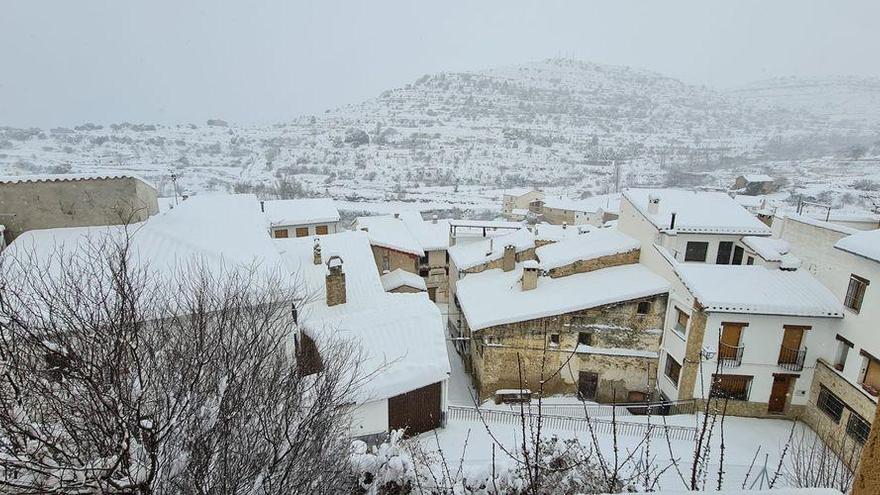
455, 139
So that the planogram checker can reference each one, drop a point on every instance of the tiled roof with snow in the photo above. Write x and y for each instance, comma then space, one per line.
758, 178
495, 297
864, 243
284, 212
12, 179
758, 290
487, 224
749, 201
390, 232
606, 202
843, 229
602, 242
696, 212
401, 335
478, 252
399, 278
518, 191
550, 232
432, 234
767, 248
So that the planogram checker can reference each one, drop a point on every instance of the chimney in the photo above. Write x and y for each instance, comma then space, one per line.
672, 221
397, 215
335, 281
508, 262
262, 206
491, 246
316, 252
564, 225
433, 218
530, 275
653, 204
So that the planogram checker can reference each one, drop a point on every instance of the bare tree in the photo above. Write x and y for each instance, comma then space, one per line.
116, 380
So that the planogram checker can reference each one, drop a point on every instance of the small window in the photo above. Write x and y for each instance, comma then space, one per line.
750, 260
696, 251
585, 338
725, 250
738, 253
554, 339
830, 404
841, 355
321, 230
681, 322
871, 376
643, 308
858, 428
386, 262
733, 387
281, 234
855, 293
302, 231
673, 369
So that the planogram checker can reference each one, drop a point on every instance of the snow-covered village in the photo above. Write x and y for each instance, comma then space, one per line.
507, 248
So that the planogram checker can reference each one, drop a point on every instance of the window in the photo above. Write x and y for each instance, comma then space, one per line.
643, 308
281, 234
554, 339
386, 263
750, 260
673, 369
855, 293
321, 230
681, 322
830, 404
871, 375
725, 249
858, 428
696, 251
302, 231
843, 347
738, 253
733, 387
585, 338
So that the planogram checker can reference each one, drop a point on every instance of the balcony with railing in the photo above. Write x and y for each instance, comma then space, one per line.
730, 356
792, 359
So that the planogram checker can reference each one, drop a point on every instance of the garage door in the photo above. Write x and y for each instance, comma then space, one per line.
417, 411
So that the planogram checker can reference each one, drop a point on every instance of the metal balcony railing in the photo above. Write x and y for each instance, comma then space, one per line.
730, 356
792, 359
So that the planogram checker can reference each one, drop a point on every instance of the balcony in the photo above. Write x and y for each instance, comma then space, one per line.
792, 359
730, 356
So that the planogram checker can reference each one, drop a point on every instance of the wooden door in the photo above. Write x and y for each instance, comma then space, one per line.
731, 333
587, 384
779, 394
791, 343
416, 411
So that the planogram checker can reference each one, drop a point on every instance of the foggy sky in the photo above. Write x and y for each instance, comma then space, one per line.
176, 61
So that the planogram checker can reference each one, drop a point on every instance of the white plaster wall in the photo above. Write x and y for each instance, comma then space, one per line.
369, 418
332, 228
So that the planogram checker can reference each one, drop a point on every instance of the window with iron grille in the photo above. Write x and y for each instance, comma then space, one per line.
673, 369
733, 387
855, 293
830, 404
858, 428
643, 308
585, 338
554, 339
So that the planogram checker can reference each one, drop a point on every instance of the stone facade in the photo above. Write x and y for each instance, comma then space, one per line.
583, 266
31, 205
496, 351
395, 259
335, 283
867, 479
690, 368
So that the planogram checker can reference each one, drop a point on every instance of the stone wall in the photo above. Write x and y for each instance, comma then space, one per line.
528, 254
583, 266
396, 259
749, 409
74, 203
690, 368
497, 352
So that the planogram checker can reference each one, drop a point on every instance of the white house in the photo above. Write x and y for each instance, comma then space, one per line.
301, 217
518, 199
752, 332
401, 335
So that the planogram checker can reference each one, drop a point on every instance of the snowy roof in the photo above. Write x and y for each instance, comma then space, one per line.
758, 178
696, 212
843, 229
768, 248
391, 233
519, 191
593, 204
301, 211
758, 290
865, 243
430, 235
550, 232
489, 224
400, 278
602, 242
749, 201
14, 179
401, 335
495, 297
476, 253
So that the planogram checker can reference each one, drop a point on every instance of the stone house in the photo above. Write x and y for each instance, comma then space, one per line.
518, 199
595, 316
748, 333
31, 202
755, 184
301, 217
401, 281
595, 210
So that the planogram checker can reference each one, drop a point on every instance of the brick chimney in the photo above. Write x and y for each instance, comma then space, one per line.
316, 252
335, 281
508, 262
530, 275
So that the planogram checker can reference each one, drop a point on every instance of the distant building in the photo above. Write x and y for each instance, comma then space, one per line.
518, 199
301, 217
31, 202
755, 184
594, 210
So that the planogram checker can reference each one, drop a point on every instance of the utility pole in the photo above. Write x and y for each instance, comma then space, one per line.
174, 178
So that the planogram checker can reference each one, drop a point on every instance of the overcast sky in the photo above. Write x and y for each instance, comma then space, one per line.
68, 62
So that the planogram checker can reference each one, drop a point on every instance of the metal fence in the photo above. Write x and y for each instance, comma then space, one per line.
570, 423
581, 410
